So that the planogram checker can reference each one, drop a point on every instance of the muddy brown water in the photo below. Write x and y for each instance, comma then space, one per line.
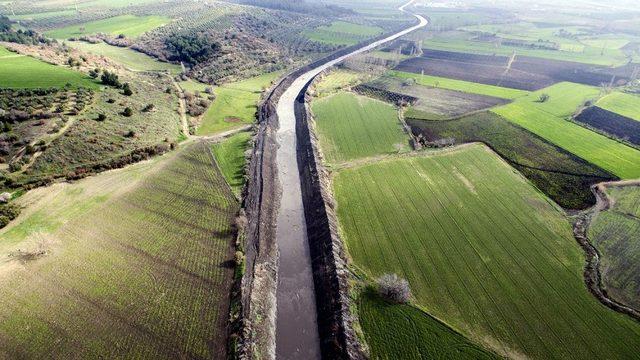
296, 329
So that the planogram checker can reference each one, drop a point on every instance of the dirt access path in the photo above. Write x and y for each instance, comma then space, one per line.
296, 330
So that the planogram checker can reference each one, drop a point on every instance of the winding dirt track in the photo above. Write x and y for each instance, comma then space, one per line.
297, 331
591, 273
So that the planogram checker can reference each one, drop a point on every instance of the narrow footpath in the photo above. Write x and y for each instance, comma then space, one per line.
296, 329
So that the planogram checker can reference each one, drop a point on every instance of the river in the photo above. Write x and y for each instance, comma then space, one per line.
296, 329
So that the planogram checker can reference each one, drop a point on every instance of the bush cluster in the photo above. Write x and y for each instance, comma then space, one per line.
8, 212
394, 288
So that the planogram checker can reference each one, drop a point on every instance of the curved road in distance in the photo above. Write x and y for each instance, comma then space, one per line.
297, 329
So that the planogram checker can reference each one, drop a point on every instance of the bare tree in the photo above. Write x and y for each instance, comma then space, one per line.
394, 288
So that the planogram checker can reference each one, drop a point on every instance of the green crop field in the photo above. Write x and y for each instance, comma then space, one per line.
615, 233
387, 55
530, 32
404, 332
460, 41
569, 38
20, 71
352, 126
235, 104
134, 265
548, 120
461, 85
621, 103
230, 157
564, 177
338, 79
128, 25
131, 59
483, 250
444, 20
342, 33
193, 86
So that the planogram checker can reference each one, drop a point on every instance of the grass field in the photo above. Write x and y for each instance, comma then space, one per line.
622, 103
547, 120
352, 126
443, 19
136, 265
193, 86
131, 59
230, 157
615, 233
461, 85
342, 33
235, 104
564, 177
19, 71
128, 25
404, 332
483, 250
337, 79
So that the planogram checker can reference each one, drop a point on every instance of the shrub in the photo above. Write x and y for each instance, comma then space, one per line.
148, 108
110, 79
394, 288
102, 117
543, 98
126, 89
94, 73
127, 112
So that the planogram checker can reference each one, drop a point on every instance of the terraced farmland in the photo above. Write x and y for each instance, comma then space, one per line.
131, 59
495, 259
352, 126
461, 85
128, 263
20, 71
615, 233
128, 25
547, 119
342, 33
404, 332
235, 104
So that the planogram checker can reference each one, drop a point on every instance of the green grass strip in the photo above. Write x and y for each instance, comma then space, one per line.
549, 120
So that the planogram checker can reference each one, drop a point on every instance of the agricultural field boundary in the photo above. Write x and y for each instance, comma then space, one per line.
592, 274
261, 202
